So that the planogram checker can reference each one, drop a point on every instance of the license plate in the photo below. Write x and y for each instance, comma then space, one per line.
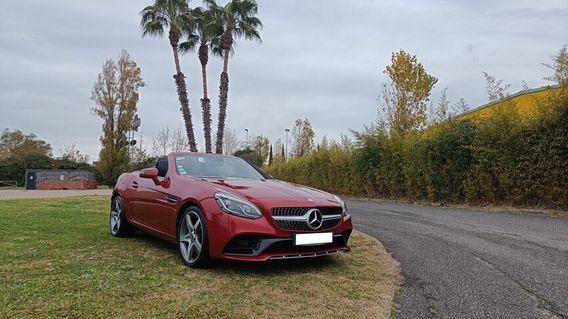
312, 239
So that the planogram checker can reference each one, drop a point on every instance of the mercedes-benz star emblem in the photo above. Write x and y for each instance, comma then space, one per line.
315, 218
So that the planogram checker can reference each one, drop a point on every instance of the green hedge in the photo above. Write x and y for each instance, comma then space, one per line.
502, 160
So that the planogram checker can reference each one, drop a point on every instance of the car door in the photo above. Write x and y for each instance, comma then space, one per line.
156, 206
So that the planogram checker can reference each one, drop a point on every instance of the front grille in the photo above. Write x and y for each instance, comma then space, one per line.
300, 211
301, 225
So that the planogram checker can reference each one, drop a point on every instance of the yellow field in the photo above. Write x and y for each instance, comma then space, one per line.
524, 103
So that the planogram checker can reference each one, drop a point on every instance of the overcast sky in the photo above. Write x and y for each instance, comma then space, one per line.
319, 59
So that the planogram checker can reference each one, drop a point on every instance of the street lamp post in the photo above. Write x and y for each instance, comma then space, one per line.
247, 138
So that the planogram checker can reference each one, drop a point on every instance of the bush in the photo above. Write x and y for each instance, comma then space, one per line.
503, 160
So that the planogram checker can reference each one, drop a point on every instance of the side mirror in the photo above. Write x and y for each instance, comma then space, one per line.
152, 173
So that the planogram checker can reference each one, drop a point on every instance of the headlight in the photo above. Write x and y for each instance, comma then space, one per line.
237, 206
343, 204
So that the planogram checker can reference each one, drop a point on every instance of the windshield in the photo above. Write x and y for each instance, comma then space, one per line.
215, 166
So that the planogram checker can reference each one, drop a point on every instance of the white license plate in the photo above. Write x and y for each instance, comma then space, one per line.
313, 239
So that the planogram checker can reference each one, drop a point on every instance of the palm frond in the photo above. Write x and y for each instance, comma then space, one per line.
187, 23
190, 44
248, 7
153, 28
215, 47
239, 15
209, 4
153, 21
253, 21
250, 33
210, 28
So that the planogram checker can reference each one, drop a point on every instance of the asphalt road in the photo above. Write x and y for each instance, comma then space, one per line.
459, 263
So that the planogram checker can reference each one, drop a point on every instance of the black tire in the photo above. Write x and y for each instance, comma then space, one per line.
122, 228
189, 255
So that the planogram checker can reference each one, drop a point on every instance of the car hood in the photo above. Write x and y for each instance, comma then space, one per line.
273, 189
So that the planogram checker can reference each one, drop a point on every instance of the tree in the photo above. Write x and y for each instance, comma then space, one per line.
171, 14
178, 142
302, 137
72, 154
161, 143
13, 168
279, 152
261, 146
270, 156
19, 151
203, 31
141, 159
525, 85
405, 97
115, 94
169, 141
442, 109
238, 19
559, 67
17, 144
232, 142
461, 106
496, 89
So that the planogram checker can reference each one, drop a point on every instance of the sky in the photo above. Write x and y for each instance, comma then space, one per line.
319, 59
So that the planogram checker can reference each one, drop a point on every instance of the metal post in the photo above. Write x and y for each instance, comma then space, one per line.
286, 144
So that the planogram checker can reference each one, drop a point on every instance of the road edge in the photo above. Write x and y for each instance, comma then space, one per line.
485, 208
395, 278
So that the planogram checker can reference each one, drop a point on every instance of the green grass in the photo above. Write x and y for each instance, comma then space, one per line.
59, 260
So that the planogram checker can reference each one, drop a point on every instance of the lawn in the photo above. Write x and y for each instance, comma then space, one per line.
59, 260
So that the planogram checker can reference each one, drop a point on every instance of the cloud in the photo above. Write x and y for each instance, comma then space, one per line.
319, 59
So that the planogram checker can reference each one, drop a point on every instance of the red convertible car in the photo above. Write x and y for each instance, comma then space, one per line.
221, 207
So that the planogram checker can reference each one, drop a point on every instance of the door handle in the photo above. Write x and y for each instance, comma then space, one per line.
135, 184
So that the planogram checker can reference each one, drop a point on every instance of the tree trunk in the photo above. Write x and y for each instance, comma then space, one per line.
174, 40
223, 94
182, 96
182, 90
205, 102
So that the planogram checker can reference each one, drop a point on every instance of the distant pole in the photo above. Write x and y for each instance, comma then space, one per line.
286, 144
134, 125
247, 138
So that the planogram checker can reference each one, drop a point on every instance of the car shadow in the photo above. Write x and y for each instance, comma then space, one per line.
270, 267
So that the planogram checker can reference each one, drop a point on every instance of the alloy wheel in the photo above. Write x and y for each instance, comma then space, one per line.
115, 216
191, 237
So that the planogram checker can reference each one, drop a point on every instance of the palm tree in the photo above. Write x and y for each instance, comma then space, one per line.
157, 17
201, 29
238, 18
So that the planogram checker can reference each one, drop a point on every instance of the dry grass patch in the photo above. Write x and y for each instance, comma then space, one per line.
58, 260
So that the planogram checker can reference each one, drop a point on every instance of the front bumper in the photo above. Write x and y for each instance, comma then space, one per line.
236, 238
261, 248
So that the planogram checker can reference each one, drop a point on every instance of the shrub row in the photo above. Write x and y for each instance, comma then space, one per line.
505, 159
